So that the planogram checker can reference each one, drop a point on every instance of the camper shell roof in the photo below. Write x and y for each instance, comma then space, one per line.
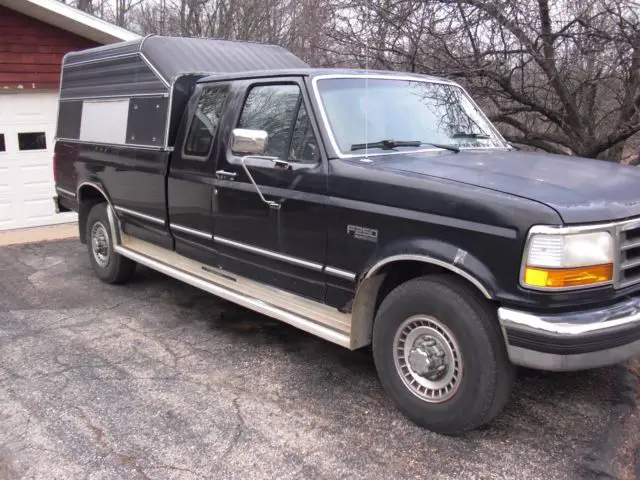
152, 64
145, 84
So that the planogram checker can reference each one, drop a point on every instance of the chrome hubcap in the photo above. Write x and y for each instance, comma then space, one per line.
100, 244
428, 358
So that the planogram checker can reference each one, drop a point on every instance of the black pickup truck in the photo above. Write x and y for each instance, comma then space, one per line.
367, 208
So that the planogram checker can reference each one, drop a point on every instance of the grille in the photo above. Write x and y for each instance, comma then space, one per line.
629, 254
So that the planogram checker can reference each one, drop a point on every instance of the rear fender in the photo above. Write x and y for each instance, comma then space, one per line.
88, 194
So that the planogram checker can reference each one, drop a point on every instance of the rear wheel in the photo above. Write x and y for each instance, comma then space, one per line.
441, 356
107, 264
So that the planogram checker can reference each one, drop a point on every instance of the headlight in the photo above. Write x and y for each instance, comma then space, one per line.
568, 260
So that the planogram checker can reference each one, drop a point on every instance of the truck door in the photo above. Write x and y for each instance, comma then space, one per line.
191, 174
283, 246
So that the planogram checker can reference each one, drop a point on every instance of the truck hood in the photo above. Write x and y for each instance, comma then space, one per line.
581, 190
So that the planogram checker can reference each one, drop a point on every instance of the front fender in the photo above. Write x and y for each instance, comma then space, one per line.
431, 252
434, 252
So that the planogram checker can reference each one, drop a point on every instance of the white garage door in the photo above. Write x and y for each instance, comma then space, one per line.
27, 130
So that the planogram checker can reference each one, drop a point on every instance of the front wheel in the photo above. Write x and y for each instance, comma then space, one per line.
107, 264
440, 355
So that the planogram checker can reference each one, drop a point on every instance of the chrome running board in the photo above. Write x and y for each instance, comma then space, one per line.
313, 317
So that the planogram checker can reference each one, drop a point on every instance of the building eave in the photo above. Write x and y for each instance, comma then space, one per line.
71, 19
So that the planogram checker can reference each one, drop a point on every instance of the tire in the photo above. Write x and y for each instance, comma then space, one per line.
451, 325
109, 266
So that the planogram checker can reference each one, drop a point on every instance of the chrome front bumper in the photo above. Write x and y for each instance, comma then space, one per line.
573, 340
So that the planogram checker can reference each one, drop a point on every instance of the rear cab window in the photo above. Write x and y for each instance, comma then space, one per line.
205, 121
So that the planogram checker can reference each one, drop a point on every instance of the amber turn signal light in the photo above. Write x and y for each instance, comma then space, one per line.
567, 277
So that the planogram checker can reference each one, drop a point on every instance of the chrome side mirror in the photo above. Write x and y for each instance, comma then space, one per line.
251, 142
247, 141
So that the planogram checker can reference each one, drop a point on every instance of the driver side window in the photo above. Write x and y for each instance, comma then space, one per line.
280, 111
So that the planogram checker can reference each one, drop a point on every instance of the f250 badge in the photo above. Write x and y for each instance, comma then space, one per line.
362, 233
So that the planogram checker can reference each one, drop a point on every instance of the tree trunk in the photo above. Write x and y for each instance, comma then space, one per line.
85, 6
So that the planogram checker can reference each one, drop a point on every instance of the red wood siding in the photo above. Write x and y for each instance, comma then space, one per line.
31, 51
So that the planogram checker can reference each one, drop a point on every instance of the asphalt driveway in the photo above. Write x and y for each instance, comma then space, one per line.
159, 380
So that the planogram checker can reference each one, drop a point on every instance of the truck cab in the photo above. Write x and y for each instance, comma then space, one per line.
368, 208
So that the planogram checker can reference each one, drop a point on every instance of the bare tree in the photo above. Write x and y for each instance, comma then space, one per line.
294, 24
85, 6
559, 76
562, 77
122, 10
115, 11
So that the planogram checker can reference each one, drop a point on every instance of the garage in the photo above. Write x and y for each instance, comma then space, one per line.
27, 126
34, 37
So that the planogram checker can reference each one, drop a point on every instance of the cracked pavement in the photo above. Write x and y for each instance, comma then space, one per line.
157, 379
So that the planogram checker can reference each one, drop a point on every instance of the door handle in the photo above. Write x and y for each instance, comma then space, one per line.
224, 175
282, 164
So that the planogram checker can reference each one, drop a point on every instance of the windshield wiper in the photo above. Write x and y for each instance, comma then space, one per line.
470, 135
391, 144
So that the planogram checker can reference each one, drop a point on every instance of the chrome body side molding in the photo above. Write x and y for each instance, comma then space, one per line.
190, 231
316, 267
140, 215
269, 253
339, 273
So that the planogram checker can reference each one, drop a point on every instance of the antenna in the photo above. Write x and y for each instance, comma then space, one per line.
366, 82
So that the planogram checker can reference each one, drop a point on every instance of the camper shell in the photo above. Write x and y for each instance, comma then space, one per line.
134, 93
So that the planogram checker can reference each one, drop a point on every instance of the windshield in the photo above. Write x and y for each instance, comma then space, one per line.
372, 110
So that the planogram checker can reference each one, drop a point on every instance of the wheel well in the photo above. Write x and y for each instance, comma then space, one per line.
373, 290
88, 196
397, 273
